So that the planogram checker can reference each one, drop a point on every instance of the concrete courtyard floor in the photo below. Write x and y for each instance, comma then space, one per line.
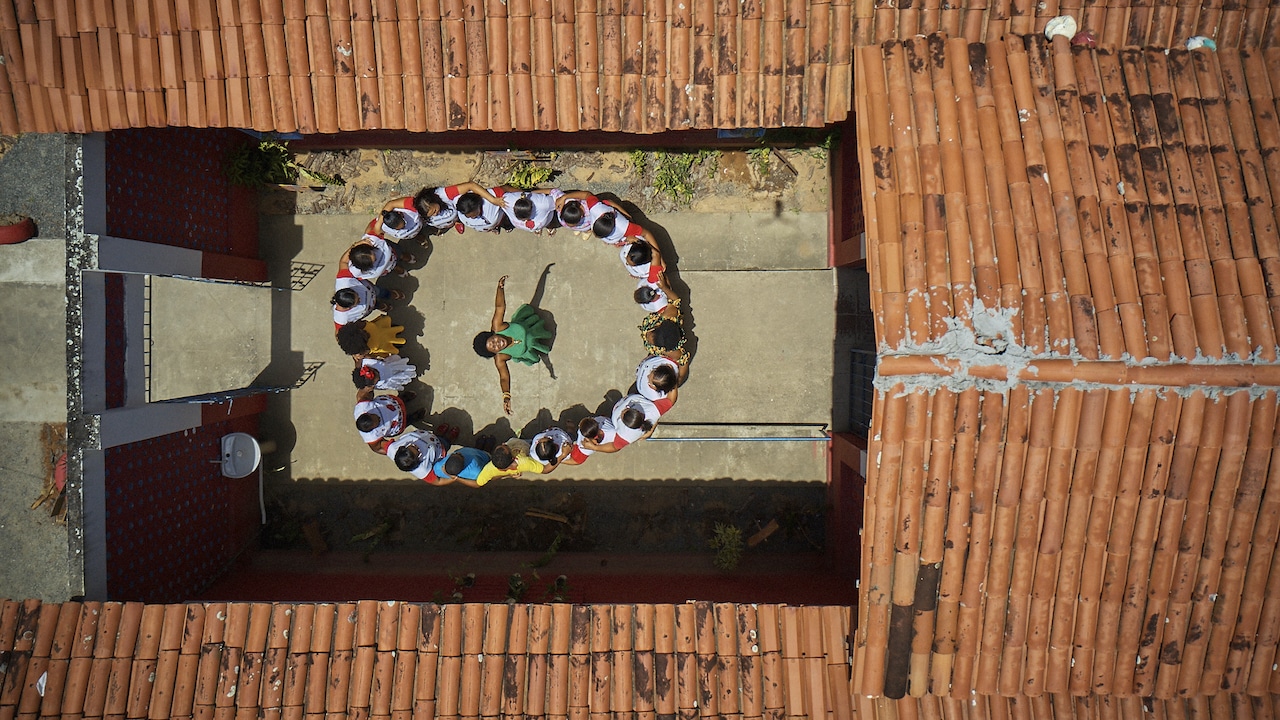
760, 304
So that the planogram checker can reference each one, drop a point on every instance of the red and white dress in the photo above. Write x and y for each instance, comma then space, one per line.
626, 435
624, 231
412, 222
579, 453
659, 301
490, 215
448, 214
643, 371
589, 214
384, 258
544, 209
391, 417
647, 271
430, 448
367, 300
558, 435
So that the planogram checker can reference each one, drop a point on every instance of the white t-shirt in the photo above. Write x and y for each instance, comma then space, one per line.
557, 435
659, 301
490, 215
588, 214
645, 369
412, 224
367, 300
429, 446
626, 435
622, 227
448, 214
645, 271
391, 417
384, 258
606, 427
544, 209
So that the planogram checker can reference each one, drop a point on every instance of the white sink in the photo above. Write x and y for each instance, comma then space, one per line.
240, 455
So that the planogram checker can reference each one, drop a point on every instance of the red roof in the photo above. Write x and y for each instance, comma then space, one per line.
424, 66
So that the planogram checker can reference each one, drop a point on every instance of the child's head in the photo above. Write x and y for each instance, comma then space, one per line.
481, 344
646, 294
572, 212
427, 202
639, 253
547, 450
589, 428
364, 377
392, 220
667, 335
353, 338
408, 457
523, 208
367, 422
363, 256
663, 378
502, 458
454, 464
634, 418
604, 225
345, 299
470, 204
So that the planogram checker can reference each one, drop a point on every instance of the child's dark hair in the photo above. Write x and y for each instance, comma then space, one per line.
406, 459
353, 338
572, 212
604, 225
502, 457
393, 219
367, 422
364, 377
363, 256
454, 464
523, 208
479, 344
546, 450
667, 335
423, 201
344, 299
469, 204
639, 253
589, 427
645, 294
635, 419
664, 378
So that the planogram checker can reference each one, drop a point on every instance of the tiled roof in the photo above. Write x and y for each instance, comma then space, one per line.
638, 66
1114, 23
399, 660
1076, 271
1102, 204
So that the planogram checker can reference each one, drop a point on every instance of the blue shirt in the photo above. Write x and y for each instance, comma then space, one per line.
476, 460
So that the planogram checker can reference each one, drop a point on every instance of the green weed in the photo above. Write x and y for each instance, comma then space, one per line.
529, 174
271, 162
726, 540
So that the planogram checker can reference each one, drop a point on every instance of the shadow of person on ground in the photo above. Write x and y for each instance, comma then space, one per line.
548, 319
571, 416
500, 430
455, 418
671, 260
541, 421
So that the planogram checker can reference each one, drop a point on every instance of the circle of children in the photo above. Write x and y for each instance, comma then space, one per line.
383, 420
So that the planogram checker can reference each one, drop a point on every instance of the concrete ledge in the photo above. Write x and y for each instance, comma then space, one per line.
121, 426
41, 261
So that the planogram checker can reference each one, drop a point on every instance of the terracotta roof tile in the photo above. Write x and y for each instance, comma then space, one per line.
1113, 22
634, 66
